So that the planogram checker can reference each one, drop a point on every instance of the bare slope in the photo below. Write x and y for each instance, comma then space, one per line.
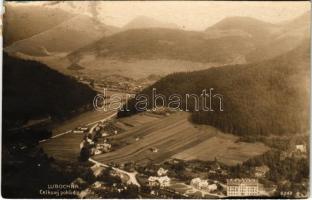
66, 37
24, 21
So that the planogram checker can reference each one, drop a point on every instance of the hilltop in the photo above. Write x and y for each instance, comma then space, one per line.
21, 22
142, 22
166, 44
233, 40
66, 37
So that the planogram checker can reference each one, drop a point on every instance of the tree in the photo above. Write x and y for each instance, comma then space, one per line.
84, 154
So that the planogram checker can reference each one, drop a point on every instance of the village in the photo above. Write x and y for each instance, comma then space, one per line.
173, 178
116, 82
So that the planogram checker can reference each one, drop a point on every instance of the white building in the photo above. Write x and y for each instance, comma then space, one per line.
97, 170
261, 171
242, 187
105, 134
163, 181
203, 185
162, 172
98, 184
78, 131
105, 147
301, 148
97, 152
153, 181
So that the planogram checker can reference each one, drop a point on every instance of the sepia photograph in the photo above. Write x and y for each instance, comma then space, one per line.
156, 99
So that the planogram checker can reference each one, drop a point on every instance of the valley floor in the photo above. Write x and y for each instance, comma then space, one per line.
151, 138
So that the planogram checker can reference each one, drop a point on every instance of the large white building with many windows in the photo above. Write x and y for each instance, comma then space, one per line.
242, 187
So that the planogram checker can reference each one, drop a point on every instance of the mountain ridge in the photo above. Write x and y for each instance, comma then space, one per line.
255, 96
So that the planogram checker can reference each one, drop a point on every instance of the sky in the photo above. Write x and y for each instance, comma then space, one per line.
190, 15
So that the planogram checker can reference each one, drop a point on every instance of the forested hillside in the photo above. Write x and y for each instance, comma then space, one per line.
32, 90
269, 97
162, 43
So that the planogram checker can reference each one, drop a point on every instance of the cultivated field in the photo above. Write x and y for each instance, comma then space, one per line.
139, 119
175, 137
65, 147
80, 120
229, 151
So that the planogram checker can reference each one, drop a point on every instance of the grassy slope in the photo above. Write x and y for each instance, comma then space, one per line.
269, 97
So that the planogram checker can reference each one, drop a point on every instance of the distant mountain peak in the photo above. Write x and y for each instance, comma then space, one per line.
239, 22
148, 22
242, 26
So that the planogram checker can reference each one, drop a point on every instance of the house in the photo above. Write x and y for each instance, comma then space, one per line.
261, 171
98, 184
154, 150
301, 148
153, 192
80, 182
163, 181
77, 131
105, 147
198, 183
203, 185
162, 172
223, 172
215, 165
212, 187
84, 194
89, 141
83, 128
97, 152
104, 134
242, 187
153, 181
97, 170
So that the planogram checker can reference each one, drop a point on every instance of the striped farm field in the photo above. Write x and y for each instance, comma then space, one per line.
65, 147
229, 152
64, 144
175, 136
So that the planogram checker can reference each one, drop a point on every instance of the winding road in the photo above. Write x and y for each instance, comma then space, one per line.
131, 175
132, 178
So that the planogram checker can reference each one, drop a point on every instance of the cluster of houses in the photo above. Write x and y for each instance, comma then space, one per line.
91, 139
161, 180
102, 148
297, 151
215, 168
261, 171
203, 185
121, 86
